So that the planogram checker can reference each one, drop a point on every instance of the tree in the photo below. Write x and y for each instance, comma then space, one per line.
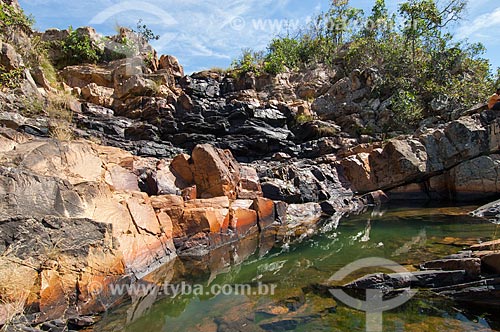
426, 19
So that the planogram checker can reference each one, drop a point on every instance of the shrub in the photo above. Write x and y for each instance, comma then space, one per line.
14, 18
77, 48
144, 32
11, 79
249, 62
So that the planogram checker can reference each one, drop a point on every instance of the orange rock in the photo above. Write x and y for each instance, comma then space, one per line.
243, 217
53, 301
143, 215
216, 172
206, 219
181, 167
265, 212
166, 201
166, 225
216, 202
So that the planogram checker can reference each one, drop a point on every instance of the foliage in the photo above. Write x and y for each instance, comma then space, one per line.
418, 61
145, 33
248, 62
11, 79
78, 48
122, 48
303, 118
12, 17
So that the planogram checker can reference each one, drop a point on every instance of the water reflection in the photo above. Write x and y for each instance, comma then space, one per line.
407, 235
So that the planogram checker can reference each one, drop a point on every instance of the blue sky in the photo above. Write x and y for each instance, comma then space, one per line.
210, 33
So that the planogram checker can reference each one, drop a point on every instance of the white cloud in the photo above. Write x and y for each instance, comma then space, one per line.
481, 26
195, 31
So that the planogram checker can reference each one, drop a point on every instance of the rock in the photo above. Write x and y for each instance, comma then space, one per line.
53, 301
249, 185
143, 215
134, 86
422, 279
491, 263
475, 179
490, 245
303, 214
205, 220
215, 172
98, 95
171, 64
243, 217
118, 178
9, 58
181, 168
83, 75
472, 266
265, 212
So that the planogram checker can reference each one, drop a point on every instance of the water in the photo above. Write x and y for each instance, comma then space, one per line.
406, 235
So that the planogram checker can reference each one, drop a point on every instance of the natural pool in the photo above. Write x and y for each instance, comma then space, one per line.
407, 235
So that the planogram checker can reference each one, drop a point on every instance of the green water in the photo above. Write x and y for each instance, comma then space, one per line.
405, 235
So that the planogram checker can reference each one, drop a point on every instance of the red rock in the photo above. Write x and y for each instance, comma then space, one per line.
216, 172
243, 217
265, 212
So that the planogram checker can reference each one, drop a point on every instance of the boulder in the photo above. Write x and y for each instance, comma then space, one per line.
134, 86
171, 64
491, 263
265, 212
243, 217
9, 58
83, 75
98, 95
215, 172
476, 179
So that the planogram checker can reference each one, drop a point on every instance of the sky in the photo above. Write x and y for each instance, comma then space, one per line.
211, 33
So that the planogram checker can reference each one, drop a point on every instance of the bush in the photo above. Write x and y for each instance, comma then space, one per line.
11, 79
14, 18
77, 48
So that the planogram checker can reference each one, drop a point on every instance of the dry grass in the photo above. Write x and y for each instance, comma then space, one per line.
15, 288
61, 116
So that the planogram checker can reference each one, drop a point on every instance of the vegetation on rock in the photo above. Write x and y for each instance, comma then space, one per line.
419, 61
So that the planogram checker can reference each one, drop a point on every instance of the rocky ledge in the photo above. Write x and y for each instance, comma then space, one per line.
76, 214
